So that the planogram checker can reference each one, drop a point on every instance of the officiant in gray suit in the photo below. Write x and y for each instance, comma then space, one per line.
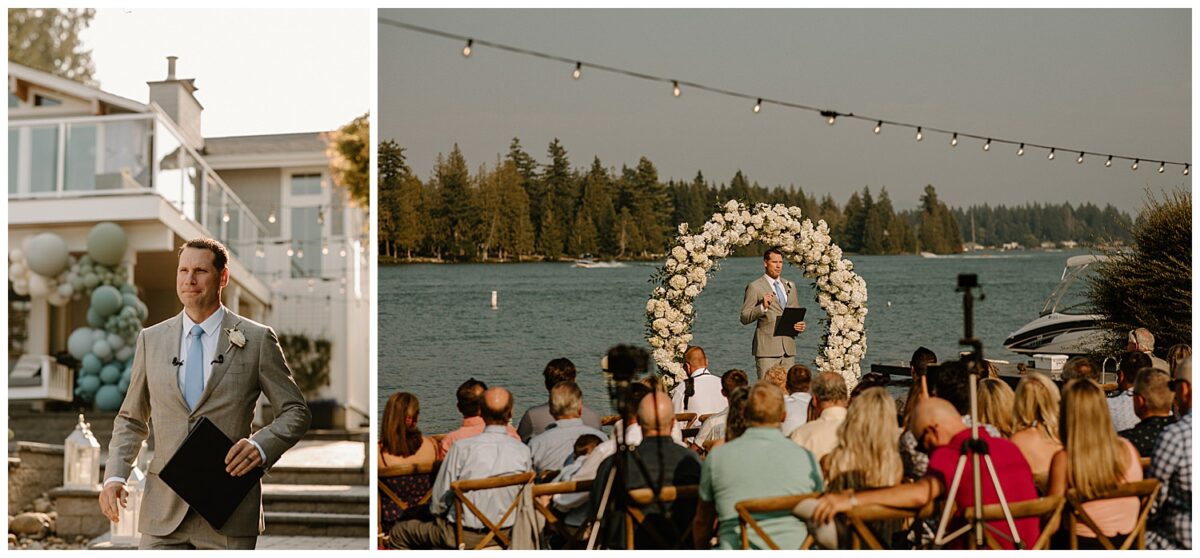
765, 299
204, 362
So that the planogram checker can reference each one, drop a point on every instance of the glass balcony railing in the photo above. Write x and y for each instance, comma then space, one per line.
104, 155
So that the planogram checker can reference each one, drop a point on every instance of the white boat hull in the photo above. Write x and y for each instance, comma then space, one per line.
1064, 334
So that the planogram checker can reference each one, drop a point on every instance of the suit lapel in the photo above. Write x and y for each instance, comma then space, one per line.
170, 346
231, 320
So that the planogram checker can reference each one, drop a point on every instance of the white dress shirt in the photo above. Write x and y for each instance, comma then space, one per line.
782, 288
212, 332
706, 400
796, 405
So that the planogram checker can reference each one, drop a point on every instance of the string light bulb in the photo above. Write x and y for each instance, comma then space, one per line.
954, 140
1021, 150
259, 252
300, 254
1050, 157
987, 145
291, 251
832, 119
578, 70
467, 49
1108, 163
758, 106
342, 253
1079, 159
1162, 167
1134, 166
878, 127
1187, 169
225, 216
324, 248
920, 136
675, 88
271, 216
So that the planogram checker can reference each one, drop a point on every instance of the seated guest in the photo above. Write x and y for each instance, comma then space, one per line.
490, 454
1170, 526
735, 419
777, 375
867, 456
831, 398
868, 381
799, 380
713, 428
470, 404
552, 448
537, 418
940, 429
1152, 402
401, 443
1183, 388
700, 392
665, 462
1035, 420
759, 463
1080, 367
1093, 461
1176, 355
1142, 341
995, 400
914, 459
1120, 402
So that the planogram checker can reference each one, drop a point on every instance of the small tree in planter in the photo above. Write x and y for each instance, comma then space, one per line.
309, 361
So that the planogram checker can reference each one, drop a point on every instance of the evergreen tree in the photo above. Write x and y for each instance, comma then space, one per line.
562, 191
596, 201
454, 214
553, 235
47, 39
851, 234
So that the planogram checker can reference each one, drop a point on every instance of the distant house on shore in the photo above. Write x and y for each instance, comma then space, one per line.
1011, 246
1048, 245
1068, 244
79, 156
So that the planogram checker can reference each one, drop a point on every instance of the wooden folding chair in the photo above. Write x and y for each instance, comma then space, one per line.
575, 536
462, 487
1144, 490
685, 418
1145, 462
609, 420
1048, 510
387, 494
642, 498
861, 534
746, 509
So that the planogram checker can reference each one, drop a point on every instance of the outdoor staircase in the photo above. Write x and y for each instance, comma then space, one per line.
319, 488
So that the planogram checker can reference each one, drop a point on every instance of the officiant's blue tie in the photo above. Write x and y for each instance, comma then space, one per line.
779, 293
193, 375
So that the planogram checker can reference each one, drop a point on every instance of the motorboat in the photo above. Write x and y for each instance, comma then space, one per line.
587, 262
1063, 327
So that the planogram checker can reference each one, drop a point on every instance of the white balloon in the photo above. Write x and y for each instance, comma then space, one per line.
39, 286
115, 341
66, 290
21, 286
18, 269
16, 255
56, 299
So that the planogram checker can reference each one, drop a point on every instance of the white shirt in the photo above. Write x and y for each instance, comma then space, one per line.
796, 405
782, 289
706, 400
212, 332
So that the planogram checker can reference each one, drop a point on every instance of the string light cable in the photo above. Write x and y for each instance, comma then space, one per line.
831, 116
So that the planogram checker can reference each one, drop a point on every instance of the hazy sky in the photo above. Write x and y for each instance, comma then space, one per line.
258, 71
1110, 81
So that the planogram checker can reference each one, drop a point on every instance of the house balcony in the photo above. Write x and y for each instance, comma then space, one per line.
132, 169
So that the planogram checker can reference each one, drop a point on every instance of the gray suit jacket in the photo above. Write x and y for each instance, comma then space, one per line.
154, 400
765, 343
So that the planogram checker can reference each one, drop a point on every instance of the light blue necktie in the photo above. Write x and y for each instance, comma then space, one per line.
779, 293
193, 375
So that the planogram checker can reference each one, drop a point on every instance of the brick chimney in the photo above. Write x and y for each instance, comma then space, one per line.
177, 97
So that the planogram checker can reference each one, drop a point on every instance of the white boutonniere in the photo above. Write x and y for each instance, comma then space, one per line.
236, 337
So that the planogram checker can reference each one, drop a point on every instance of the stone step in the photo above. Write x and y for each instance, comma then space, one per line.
319, 524
330, 462
265, 542
316, 498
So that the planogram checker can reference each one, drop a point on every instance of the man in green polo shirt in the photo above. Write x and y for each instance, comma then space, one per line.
760, 463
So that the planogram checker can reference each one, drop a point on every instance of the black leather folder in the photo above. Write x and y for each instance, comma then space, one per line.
197, 474
785, 325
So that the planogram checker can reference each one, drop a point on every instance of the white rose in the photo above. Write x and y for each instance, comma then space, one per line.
732, 205
692, 291
677, 327
656, 342
683, 228
661, 355
679, 253
673, 294
678, 282
651, 305
674, 315
659, 313
757, 220
689, 246
659, 323
687, 309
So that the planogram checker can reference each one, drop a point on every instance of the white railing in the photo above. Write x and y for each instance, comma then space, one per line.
103, 155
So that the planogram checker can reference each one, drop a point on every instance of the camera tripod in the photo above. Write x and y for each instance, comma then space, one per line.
976, 448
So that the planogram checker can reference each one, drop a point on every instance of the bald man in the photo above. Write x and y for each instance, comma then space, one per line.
666, 463
939, 428
491, 453
704, 395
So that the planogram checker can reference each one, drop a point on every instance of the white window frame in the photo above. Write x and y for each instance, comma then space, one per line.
289, 201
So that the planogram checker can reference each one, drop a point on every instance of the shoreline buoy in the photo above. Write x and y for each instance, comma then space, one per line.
494, 300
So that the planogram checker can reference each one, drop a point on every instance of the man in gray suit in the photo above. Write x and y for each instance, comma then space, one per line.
205, 362
766, 297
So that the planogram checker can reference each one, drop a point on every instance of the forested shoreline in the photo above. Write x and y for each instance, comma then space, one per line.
518, 209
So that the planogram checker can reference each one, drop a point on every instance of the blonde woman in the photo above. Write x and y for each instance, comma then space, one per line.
1176, 355
867, 455
1093, 461
996, 405
1035, 420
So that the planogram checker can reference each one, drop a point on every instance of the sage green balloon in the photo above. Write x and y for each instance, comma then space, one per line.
102, 350
88, 385
79, 344
108, 398
90, 280
110, 374
47, 254
106, 300
106, 243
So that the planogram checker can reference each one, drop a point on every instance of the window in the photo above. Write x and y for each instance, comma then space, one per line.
14, 158
43, 171
80, 173
306, 184
44, 101
306, 235
13, 100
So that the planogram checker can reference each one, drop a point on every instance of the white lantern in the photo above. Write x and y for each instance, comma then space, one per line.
81, 463
125, 531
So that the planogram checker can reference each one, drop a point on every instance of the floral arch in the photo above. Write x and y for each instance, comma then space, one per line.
840, 291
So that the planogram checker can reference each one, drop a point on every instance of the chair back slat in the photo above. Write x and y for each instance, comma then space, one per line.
387, 494
1048, 510
640, 498
1144, 490
460, 490
746, 508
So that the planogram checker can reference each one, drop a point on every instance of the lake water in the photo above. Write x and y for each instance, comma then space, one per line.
437, 328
